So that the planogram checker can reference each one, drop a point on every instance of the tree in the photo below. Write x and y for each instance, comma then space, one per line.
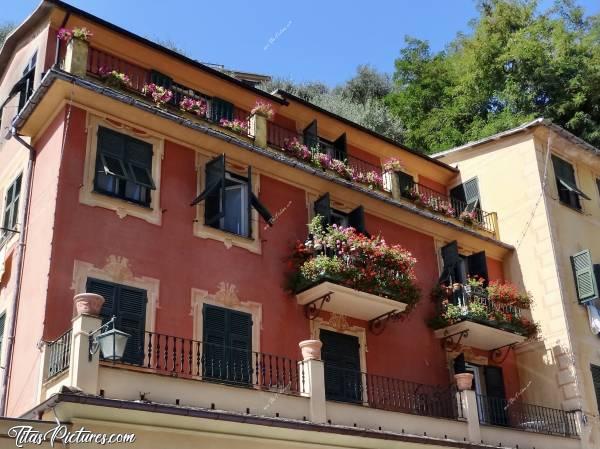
5, 30
517, 64
360, 99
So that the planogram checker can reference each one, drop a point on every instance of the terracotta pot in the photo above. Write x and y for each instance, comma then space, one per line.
88, 303
464, 381
311, 349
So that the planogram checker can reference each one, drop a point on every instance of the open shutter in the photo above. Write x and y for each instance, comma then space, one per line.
214, 329
323, 208
131, 318
494, 385
406, 182
478, 266
311, 136
111, 153
214, 191
451, 259
109, 292
356, 219
585, 279
261, 209
596, 381
341, 152
161, 79
139, 162
471, 188
240, 346
220, 109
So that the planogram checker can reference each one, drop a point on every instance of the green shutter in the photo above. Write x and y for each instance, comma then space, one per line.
323, 208
585, 280
341, 148
2, 326
477, 264
161, 79
596, 381
494, 385
109, 292
406, 182
310, 135
11, 204
341, 357
240, 346
356, 219
451, 259
214, 208
220, 109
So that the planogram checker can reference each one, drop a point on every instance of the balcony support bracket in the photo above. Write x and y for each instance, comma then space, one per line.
450, 345
500, 354
312, 310
377, 325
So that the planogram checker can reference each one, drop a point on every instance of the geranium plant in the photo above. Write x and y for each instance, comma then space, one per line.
468, 217
194, 106
160, 95
346, 257
82, 34
392, 164
114, 78
297, 149
235, 125
263, 108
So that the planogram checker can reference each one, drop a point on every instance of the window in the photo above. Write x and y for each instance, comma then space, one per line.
457, 267
568, 193
229, 199
2, 326
220, 110
310, 135
123, 167
128, 305
596, 381
227, 344
11, 209
467, 196
406, 181
354, 218
26, 82
586, 276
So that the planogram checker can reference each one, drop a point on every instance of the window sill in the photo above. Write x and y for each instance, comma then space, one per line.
122, 207
229, 239
573, 208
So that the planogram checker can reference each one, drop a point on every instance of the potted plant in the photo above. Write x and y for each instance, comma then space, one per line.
194, 106
160, 95
113, 78
264, 109
468, 217
76, 56
81, 34
235, 125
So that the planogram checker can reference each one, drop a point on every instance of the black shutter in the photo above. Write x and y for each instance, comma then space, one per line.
214, 330
220, 109
262, 210
341, 357
139, 162
451, 260
111, 153
477, 264
131, 318
585, 278
596, 381
341, 149
109, 292
311, 137
459, 364
494, 384
323, 208
161, 79
214, 190
458, 198
356, 219
240, 346
406, 182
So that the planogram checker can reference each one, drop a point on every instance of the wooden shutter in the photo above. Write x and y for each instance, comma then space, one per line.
240, 346
214, 191
323, 208
341, 148
596, 381
356, 219
451, 259
139, 162
310, 135
11, 204
459, 364
109, 292
341, 357
2, 327
585, 279
261, 209
471, 188
220, 109
477, 265
494, 385
214, 337
458, 193
131, 318
405, 181
111, 153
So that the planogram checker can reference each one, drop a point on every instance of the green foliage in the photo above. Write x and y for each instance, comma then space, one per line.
5, 29
517, 64
360, 99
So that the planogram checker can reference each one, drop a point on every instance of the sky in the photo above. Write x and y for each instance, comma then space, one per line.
322, 40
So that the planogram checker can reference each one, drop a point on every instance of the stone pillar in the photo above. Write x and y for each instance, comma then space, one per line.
83, 373
470, 412
258, 130
312, 380
76, 57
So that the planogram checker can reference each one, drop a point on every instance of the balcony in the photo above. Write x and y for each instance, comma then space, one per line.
472, 316
163, 370
342, 271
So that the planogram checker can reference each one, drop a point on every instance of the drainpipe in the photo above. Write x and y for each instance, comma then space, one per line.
19, 262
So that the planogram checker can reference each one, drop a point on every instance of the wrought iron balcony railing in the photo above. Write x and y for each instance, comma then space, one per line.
59, 354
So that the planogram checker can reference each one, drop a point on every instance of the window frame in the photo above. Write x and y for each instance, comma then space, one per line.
241, 183
5, 232
574, 197
88, 196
